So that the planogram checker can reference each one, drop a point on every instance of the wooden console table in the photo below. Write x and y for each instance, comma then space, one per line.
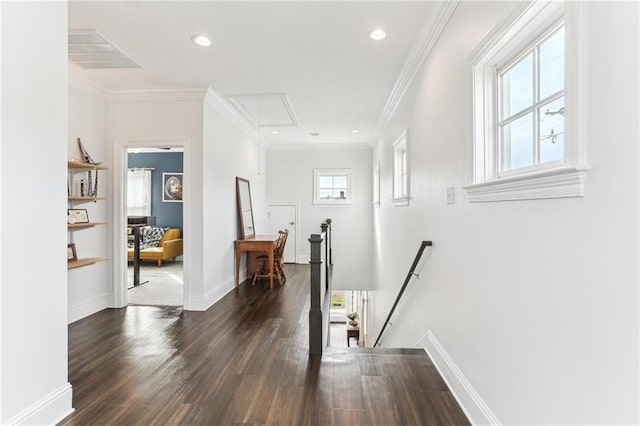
259, 243
353, 331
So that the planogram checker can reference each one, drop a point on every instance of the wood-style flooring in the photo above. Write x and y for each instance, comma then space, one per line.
243, 361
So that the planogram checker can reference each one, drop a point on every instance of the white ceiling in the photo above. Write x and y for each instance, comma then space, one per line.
316, 55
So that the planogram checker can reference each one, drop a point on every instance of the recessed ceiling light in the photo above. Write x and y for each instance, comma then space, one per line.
201, 40
377, 34
355, 130
314, 134
275, 132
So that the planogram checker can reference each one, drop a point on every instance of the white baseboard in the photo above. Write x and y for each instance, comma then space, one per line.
49, 410
471, 402
303, 258
88, 307
212, 296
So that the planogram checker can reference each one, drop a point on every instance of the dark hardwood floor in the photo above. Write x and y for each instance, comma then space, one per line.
244, 361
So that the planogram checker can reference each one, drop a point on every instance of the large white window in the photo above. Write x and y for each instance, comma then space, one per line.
401, 171
523, 149
332, 186
139, 192
531, 106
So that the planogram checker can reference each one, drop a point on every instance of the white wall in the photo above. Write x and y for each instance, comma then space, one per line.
91, 287
155, 118
229, 151
535, 301
217, 151
33, 311
290, 179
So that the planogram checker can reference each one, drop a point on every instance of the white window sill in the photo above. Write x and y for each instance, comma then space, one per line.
558, 183
332, 204
397, 202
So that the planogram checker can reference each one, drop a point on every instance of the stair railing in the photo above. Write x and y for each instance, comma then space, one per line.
411, 273
319, 312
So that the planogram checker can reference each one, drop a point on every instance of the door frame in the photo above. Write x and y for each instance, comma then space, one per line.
293, 204
120, 297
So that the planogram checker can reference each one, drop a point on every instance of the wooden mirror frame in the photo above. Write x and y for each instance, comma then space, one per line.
247, 227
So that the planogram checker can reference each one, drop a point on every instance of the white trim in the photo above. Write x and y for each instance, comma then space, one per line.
159, 94
304, 259
401, 143
87, 86
119, 254
468, 398
214, 295
431, 33
399, 202
50, 409
88, 307
559, 183
576, 65
319, 147
226, 108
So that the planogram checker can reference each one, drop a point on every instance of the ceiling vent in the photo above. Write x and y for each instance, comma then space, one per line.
266, 110
90, 49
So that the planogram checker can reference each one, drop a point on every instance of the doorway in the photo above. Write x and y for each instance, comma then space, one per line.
155, 222
164, 282
285, 216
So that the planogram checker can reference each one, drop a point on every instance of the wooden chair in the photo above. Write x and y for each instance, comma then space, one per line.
262, 270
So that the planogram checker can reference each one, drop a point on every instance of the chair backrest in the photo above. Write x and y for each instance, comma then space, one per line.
280, 243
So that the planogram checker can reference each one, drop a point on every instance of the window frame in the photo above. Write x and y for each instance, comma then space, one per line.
511, 39
317, 201
401, 174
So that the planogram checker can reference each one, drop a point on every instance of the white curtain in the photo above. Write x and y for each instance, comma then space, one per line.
139, 192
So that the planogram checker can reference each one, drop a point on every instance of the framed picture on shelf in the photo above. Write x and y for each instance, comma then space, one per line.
172, 187
77, 216
72, 256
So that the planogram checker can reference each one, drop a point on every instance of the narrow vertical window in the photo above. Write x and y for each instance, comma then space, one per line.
400, 171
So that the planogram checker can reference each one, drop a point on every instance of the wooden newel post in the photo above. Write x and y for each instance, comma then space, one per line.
315, 313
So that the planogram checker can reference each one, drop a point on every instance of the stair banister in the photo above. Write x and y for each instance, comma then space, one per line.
320, 283
412, 270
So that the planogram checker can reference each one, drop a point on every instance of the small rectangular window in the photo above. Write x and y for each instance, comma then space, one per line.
332, 186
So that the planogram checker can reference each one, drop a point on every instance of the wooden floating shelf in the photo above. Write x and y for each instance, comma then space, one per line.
84, 225
85, 199
84, 262
72, 164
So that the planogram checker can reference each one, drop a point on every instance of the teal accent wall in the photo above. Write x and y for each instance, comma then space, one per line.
167, 214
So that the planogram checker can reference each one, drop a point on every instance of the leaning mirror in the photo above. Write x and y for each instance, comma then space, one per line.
245, 212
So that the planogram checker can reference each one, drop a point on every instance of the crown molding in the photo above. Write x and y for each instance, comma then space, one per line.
158, 94
86, 86
416, 59
226, 108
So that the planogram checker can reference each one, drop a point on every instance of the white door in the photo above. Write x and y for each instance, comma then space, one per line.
281, 217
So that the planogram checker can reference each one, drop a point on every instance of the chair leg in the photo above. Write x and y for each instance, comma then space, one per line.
284, 277
159, 262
